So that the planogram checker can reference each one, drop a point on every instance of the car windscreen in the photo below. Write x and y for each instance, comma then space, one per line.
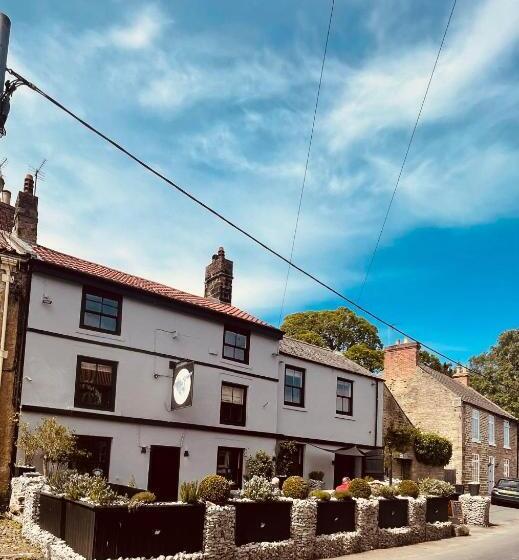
508, 484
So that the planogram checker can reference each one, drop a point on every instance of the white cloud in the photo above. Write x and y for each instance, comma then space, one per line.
141, 32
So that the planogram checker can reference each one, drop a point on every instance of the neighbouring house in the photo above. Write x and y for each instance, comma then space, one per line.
484, 436
102, 351
405, 465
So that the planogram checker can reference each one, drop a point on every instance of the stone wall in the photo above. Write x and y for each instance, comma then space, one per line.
476, 509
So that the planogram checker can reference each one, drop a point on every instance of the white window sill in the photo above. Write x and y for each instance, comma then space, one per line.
344, 417
94, 334
476, 440
234, 364
94, 410
295, 408
492, 444
506, 447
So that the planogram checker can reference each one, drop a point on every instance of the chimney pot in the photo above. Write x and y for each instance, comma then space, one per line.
462, 375
6, 196
28, 184
218, 278
26, 212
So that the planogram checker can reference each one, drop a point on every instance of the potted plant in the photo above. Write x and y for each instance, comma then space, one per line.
474, 488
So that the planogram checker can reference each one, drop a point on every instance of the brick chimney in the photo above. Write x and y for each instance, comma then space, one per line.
26, 212
218, 278
462, 375
400, 360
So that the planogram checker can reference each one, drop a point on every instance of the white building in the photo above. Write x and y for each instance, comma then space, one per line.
101, 350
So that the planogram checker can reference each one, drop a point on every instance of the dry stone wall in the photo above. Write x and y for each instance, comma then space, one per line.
476, 509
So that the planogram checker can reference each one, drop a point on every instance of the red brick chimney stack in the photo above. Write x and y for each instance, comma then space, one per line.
26, 212
218, 278
462, 375
400, 360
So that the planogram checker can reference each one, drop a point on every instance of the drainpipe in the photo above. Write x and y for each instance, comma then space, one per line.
6, 278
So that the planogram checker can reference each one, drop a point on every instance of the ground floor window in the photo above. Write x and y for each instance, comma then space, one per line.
475, 468
506, 468
229, 464
95, 455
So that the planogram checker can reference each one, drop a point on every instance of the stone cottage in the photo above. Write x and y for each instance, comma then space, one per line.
483, 435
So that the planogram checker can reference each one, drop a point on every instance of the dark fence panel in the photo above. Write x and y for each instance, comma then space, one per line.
51, 516
262, 522
150, 531
392, 513
437, 509
335, 517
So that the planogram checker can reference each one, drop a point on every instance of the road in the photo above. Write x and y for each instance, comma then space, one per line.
500, 541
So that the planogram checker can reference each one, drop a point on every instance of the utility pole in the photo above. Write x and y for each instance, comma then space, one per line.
5, 29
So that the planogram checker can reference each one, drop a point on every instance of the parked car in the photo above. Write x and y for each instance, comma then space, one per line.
506, 492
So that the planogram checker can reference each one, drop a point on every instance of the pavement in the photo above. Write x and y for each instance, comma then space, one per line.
500, 541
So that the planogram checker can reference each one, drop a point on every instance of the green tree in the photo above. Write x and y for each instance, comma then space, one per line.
396, 439
341, 330
433, 362
498, 372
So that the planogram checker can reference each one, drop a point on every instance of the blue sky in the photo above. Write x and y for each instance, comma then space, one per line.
220, 96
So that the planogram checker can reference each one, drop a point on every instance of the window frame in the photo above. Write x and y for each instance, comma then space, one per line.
240, 452
303, 386
104, 294
236, 330
350, 413
492, 441
244, 405
476, 460
100, 361
476, 415
506, 434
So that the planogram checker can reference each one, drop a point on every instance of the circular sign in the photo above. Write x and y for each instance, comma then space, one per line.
182, 386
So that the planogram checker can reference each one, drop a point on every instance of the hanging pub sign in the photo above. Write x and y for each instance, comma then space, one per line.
182, 393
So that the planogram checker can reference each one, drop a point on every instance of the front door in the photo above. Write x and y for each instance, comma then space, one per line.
491, 473
344, 465
163, 472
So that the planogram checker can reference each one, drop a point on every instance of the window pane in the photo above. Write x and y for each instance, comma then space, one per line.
343, 389
237, 395
296, 395
226, 393
239, 354
241, 341
230, 338
297, 379
288, 394
108, 323
228, 352
91, 320
339, 404
95, 306
110, 310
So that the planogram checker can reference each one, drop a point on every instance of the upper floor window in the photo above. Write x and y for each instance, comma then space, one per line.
475, 425
491, 430
95, 383
236, 343
101, 311
506, 433
294, 386
344, 397
233, 404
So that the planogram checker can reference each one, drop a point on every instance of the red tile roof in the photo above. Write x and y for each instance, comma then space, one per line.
68, 262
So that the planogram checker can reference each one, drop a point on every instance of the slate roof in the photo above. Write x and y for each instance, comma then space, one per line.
68, 262
466, 394
305, 351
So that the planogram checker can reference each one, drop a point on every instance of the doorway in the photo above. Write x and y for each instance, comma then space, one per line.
344, 465
163, 472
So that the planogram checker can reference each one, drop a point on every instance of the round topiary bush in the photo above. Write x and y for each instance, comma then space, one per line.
342, 495
295, 487
214, 488
408, 488
388, 492
260, 464
360, 488
320, 495
432, 449
141, 498
434, 487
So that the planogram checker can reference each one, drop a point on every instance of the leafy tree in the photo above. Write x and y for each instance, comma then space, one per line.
341, 330
433, 362
399, 439
498, 372
432, 449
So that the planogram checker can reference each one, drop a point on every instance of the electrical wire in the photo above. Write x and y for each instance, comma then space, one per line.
306, 165
377, 244
223, 218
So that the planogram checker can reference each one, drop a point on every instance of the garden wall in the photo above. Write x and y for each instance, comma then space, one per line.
302, 529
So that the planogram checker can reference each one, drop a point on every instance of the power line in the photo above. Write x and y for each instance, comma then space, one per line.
220, 216
306, 164
406, 154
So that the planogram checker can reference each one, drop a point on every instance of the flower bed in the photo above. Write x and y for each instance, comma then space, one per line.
393, 514
437, 509
335, 517
258, 522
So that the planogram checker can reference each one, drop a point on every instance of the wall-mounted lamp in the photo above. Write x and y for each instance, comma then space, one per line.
143, 449
186, 453
27, 378
47, 300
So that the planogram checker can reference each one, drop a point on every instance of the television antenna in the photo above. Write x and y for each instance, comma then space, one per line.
38, 174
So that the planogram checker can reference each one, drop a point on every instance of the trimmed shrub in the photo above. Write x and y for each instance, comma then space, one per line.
316, 475
295, 487
435, 487
342, 495
408, 488
100, 493
432, 449
258, 489
287, 458
260, 464
320, 495
359, 488
189, 493
388, 492
214, 488
141, 498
